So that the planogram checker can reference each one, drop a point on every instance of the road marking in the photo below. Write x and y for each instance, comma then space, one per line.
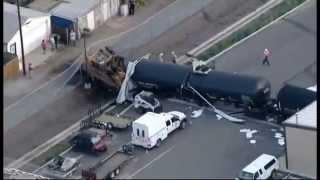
152, 161
126, 109
26, 158
80, 56
256, 32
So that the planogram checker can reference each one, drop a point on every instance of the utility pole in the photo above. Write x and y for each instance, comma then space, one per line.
21, 39
87, 84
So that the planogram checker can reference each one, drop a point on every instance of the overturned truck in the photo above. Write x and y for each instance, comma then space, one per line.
105, 67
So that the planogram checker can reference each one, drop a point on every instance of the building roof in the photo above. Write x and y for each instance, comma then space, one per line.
10, 19
72, 9
307, 117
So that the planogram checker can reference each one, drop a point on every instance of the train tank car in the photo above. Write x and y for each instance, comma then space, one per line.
292, 98
253, 92
160, 77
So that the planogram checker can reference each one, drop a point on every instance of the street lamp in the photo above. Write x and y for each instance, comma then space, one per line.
21, 39
87, 84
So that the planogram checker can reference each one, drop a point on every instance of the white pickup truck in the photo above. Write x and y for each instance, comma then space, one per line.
152, 128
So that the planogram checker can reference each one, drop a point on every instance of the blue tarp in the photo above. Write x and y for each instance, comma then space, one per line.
61, 22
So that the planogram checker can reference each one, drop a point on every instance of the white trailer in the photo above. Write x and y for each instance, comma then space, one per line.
152, 128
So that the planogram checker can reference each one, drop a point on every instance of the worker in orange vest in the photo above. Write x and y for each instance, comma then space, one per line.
266, 57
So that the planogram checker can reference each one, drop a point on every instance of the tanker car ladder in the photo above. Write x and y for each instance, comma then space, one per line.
221, 113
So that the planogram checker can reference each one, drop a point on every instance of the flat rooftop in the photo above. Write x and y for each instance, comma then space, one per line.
307, 117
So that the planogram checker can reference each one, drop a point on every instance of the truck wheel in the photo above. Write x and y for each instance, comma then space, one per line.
109, 126
117, 171
158, 143
183, 124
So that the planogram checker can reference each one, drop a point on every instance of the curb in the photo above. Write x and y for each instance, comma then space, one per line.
229, 30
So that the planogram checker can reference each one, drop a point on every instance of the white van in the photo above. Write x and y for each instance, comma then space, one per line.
152, 128
261, 168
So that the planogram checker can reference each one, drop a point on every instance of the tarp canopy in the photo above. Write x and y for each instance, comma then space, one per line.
61, 22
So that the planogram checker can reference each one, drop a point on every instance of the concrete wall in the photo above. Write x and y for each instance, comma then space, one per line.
99, 14
302, 150
33, 32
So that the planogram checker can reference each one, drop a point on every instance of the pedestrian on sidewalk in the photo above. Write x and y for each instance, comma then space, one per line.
52, 43
131, 7
30, 69
266, 57
55, 37
44, 46
73, 38
175, 57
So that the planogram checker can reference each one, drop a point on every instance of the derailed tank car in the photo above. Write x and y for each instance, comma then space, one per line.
239, 89
160, 77
173, 78
292, 98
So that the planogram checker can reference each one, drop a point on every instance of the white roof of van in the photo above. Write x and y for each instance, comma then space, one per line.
255, 165
153, 121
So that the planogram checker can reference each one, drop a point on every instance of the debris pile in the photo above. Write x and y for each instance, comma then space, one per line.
249, 134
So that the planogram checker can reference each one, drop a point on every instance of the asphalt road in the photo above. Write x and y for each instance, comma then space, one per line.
194, 30
29, 111
291, 41
207, 148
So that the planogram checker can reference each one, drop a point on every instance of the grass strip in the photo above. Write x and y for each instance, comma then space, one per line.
51, 153
250, 28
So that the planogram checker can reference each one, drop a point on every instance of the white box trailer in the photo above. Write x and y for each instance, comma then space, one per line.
152, 128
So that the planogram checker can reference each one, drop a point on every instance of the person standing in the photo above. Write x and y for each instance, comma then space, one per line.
73, 38
44, 46
30, 69
266, 57
52, 42
55, 37
131, 7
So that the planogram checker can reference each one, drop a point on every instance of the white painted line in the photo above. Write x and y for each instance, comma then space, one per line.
89, 48
256, 32
152, 161
125, 110
51, 142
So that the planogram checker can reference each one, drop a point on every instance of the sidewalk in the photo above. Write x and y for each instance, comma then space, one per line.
48, 65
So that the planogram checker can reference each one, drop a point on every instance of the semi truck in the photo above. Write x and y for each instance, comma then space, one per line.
110, 166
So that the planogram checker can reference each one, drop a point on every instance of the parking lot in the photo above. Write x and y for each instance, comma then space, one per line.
207, 148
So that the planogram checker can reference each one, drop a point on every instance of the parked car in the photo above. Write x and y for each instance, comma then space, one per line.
63, 164
146, 101
152, 128
106, 121
90, 140
261, 168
